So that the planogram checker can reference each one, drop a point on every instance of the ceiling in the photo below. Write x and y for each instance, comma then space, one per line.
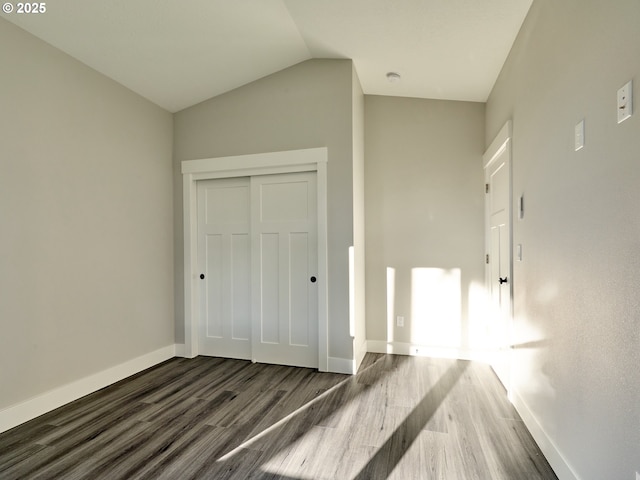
179, 53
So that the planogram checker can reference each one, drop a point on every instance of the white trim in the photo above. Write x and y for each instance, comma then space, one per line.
34, 407
245, 165
498, 145
313, 159
323, 266
550, 451
342, 365
359, 352
189, 206
417, 350
179, 350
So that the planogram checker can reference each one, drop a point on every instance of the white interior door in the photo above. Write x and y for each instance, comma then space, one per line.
285, 262
499, 248
224, 261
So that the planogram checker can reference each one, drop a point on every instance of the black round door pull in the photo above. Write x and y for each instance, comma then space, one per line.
503, 280
202, 276
313, 279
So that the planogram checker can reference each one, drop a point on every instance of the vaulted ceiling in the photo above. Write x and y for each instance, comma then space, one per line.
179, 53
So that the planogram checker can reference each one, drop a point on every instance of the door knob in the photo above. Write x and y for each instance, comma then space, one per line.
313, 279
503, 280
202, 276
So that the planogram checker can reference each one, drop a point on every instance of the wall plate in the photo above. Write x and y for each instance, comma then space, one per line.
521, 207
579, 135
625, 102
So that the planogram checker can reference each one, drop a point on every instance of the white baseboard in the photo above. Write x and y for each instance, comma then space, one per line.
412, 349
34, 407
342, 365
360, 352
550, 451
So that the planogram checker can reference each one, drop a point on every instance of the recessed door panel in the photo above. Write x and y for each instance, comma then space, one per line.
241, 286
277, 205
227, 204
299, 291
269, 288
214, 284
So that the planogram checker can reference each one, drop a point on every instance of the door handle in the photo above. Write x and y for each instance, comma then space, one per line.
503, 280
202, 276
313, 279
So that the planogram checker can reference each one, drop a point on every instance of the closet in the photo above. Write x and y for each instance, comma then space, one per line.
256, 263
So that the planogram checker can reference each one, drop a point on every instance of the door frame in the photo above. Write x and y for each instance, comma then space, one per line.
500, 145
291, 161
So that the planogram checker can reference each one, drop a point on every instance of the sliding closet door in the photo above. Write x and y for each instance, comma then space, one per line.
257, 259
224, 261
284, 269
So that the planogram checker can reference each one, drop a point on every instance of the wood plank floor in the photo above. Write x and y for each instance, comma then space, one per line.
210, 418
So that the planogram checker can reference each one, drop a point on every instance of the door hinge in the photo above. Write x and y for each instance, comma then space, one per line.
487, 258
486, 188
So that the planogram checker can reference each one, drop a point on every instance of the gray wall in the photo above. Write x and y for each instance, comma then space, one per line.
307, 105
424, 210
577, 307
86, 276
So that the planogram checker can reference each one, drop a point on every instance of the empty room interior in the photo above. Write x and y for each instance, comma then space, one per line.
366, 201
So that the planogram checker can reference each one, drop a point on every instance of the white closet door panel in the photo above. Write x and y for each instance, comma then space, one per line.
224, 257
284, 228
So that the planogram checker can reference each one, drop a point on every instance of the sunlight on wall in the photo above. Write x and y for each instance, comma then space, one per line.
352, 292
532, 346
446, 316
490, 331
482, 315
511, 345
436, 312
391, 301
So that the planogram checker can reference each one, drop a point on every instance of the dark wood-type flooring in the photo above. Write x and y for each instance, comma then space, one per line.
210, 418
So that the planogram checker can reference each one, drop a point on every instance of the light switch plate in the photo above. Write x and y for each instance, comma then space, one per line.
625, 102
521, 207
579, 135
